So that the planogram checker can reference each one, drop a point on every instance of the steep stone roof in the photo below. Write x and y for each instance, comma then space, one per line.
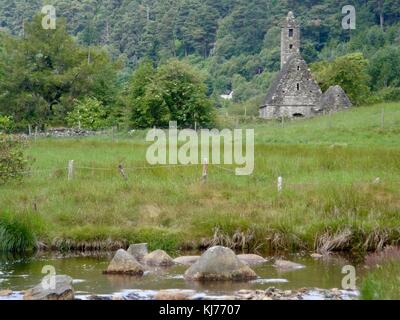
284, 91
334, 99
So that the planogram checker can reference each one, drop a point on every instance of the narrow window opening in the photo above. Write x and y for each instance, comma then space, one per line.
291, 46
290, 33
298, 86
298, 68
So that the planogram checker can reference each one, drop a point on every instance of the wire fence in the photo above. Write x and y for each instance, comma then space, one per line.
104, 169
70, 172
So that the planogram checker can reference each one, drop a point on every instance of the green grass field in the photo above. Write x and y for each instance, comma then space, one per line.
329, 200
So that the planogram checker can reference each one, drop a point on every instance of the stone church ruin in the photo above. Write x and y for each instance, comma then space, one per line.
294, 93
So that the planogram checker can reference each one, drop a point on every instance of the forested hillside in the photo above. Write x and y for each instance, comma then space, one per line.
235, 43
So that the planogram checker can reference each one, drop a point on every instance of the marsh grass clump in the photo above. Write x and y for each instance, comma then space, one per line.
387, 255
111, 238
245, 241
16, 234
382, 283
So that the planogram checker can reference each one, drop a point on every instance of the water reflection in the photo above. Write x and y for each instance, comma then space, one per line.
19, 272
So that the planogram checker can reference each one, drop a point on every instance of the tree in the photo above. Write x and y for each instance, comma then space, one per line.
384, 68
44, 73
223, 38
89, 114
176, 92
138, 85
349, 72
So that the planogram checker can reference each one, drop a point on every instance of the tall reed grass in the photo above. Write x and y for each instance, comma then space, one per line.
16, 233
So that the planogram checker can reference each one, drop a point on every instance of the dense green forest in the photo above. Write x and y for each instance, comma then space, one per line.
224, 45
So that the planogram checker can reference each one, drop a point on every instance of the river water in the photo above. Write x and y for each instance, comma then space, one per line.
21, 273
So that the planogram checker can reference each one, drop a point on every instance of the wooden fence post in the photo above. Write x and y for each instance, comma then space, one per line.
280, 184
205, 170
70, 170
30, 130
36, 132
122, 172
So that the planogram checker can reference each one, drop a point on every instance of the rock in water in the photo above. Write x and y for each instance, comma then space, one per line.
138, 251
174, 295
62, 289
287, 265
124, 263
187, 260
5, 293
251, 259
219, 264
158, 258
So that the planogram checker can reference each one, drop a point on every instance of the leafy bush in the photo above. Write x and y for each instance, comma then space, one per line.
6, 123
15, 235
174, 92
12, 159
390, 94
349, 72
89, 114
384, 68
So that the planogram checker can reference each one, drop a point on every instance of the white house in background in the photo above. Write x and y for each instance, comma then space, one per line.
227, 97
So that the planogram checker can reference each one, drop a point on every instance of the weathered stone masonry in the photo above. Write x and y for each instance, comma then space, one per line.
294, 93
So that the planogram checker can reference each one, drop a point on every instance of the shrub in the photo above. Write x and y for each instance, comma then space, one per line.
6, 124
175, 92
390, 94
15, 234
350, 72
12, 159
89, 114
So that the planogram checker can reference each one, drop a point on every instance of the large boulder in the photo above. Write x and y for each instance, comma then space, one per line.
138, 251
251, 259
52, 288
219, 264
124, 263
158, 258
187, 260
